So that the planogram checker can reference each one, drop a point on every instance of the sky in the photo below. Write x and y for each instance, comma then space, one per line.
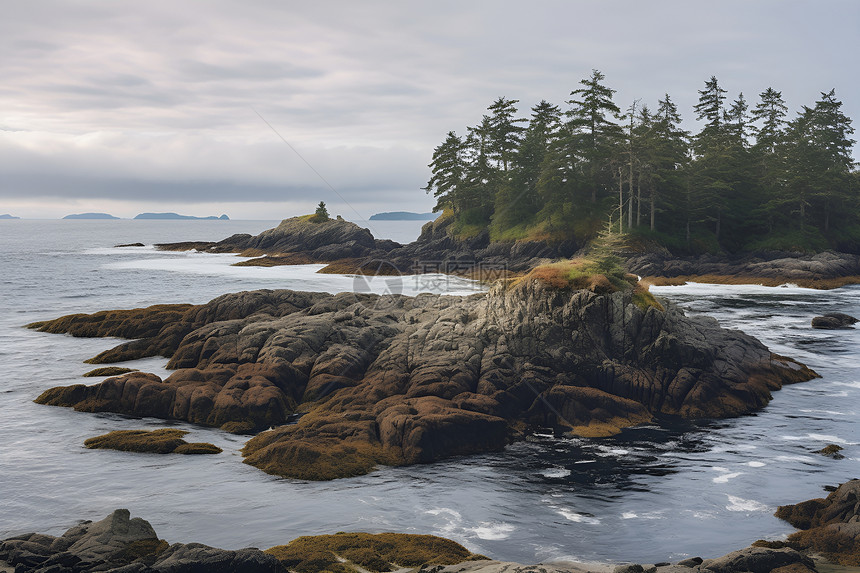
261, 109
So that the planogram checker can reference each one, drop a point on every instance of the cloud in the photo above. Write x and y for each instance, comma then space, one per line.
165, 95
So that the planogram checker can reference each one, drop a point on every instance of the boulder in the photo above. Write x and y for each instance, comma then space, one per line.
833, 320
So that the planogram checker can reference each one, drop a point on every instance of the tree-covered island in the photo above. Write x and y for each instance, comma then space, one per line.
753, 178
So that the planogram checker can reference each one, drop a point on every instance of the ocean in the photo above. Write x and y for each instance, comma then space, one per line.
653, 493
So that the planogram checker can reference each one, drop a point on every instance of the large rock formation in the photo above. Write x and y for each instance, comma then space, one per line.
822, 270
316, 241
829, 526
394, 380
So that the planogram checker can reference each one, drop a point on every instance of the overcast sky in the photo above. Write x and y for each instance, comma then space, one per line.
156, 106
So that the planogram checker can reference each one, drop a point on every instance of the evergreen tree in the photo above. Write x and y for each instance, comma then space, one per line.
446, 177
595, 133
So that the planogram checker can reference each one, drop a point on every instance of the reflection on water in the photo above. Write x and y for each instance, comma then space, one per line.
652, 493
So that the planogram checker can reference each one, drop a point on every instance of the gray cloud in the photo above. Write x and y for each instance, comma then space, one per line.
159, 101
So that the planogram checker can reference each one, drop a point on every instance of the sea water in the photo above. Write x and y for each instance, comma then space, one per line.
652, 493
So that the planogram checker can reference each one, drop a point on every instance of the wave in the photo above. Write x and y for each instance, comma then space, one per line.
746, 505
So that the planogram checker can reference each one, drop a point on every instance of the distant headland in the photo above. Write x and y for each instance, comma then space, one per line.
403, 216
175, 216
90, 216
8, 216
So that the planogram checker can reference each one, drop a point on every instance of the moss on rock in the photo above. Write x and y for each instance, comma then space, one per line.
350, 552
109, 371
163, 441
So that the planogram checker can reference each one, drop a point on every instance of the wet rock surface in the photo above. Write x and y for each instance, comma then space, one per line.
401, 380
124, 545
822, 270
834, 320
830, 526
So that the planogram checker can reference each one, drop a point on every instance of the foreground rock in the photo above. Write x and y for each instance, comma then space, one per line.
119, 544
165, 441
125, 545
403, 380
830, 526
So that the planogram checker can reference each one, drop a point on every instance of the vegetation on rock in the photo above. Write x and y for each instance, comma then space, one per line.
108, 371
381, 552
163, 441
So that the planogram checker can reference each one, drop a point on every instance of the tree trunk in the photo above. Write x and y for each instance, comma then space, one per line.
620, 201
652, 209
639, 201
630, 193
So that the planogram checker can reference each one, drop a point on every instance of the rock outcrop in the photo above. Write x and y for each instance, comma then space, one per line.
400, 380
163, 441
830, 526
833, 320
822, 270
322, 241
123, 545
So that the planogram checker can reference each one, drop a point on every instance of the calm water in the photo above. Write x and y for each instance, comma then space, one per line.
651, 494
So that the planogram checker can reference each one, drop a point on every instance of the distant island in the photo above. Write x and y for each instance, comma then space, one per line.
403, 216
175, 216
90, 216
8, 216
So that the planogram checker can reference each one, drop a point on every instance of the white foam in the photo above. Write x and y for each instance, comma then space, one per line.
604, 451
577, 517
756, 464
555, 472
794, 459
746, 505
726, 477
300, 277
649, 515
493, 531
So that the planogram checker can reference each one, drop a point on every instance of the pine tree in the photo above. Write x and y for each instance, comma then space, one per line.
591, 124
446, 178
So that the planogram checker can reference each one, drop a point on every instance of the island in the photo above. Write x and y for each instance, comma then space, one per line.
403, 216
175, 216
90, 216
8, 216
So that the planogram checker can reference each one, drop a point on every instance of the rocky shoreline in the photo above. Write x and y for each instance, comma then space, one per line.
349, 248
828, 540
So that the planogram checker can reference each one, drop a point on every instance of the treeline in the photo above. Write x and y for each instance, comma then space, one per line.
751, 178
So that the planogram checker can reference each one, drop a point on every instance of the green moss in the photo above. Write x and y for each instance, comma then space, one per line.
163, 441
109, 371
377, 553
197, 448
645, 300
239, 427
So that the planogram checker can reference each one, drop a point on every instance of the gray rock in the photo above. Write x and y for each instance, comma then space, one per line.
833, 320
199, 558
102, 539
756, 560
